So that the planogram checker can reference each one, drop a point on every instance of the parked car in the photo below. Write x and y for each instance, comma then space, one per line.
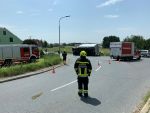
145, 53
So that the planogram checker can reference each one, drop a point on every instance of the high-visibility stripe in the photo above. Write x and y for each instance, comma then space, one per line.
84, 74
80, 90
82, 62
85, 91
85, 70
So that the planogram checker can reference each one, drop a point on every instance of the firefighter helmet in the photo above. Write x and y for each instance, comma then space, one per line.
83, 53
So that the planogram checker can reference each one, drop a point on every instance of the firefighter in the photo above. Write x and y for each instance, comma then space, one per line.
64, 54
83, 69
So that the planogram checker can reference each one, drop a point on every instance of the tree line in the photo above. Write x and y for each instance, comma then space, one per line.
45, 44
139, 41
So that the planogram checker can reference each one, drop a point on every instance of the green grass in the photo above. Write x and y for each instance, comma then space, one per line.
46, 61
104, 52
56, 49
146, 97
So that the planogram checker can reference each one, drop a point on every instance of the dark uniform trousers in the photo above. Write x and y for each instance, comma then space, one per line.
83, 84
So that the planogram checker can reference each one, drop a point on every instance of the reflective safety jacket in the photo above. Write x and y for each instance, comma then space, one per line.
83, 67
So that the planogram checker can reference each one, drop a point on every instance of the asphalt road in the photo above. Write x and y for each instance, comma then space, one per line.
113, 88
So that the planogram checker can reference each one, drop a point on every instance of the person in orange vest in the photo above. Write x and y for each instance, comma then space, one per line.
83, 69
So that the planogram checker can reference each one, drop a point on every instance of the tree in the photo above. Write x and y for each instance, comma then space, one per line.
51, 45
40, 43
30, 41
147, 44
45, 44
108, 39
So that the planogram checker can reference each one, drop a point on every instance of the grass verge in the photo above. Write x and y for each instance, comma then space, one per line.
141, 105
147, 96
46, 61
104, 52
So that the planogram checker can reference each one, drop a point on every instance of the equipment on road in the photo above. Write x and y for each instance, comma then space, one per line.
109, 62
18, 52
53, 70
90, 49
124, 51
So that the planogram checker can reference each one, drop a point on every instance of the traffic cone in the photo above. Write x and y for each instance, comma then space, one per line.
98, 63
53, 70
109, 62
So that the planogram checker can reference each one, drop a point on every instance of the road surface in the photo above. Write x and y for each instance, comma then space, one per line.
113, 88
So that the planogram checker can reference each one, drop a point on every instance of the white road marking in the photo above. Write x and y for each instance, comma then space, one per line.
98, 68
64, 85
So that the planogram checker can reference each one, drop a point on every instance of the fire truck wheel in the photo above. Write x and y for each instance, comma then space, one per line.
32, 59
7, 62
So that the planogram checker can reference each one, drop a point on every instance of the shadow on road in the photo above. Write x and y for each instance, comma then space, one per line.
90, 100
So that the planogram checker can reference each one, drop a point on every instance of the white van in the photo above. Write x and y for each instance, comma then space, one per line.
144, 53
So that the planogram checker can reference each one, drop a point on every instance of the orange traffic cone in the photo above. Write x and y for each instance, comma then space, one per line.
109, 62
53, 70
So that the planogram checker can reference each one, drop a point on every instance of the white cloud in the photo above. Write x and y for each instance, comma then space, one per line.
111, 16
108, 3
19, 12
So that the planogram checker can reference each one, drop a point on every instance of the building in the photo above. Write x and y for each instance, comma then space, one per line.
6, 37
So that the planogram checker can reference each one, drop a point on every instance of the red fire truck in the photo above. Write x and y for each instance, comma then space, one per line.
124, 50
18, 52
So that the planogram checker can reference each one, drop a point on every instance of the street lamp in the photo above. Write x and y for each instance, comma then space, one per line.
59, 29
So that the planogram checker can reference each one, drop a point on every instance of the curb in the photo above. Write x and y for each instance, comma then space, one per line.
29, 74
146, 107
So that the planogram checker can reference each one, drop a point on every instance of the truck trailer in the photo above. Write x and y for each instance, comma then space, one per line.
91, 49
18, 52
124, 51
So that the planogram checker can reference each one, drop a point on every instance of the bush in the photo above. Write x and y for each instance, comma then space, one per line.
105, 52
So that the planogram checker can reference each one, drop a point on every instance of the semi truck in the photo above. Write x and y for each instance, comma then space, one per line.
18, 52
124, 51
91, 49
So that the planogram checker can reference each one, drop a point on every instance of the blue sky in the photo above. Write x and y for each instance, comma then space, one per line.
90, 20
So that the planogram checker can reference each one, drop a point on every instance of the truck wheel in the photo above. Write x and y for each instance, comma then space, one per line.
7, 62
139, 58
32, 59
118, 58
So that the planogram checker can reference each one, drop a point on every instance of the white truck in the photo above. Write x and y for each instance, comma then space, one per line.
91, 49
18, 52
124, 50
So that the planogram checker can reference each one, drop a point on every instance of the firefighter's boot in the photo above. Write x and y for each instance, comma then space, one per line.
86, 95
80, 94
